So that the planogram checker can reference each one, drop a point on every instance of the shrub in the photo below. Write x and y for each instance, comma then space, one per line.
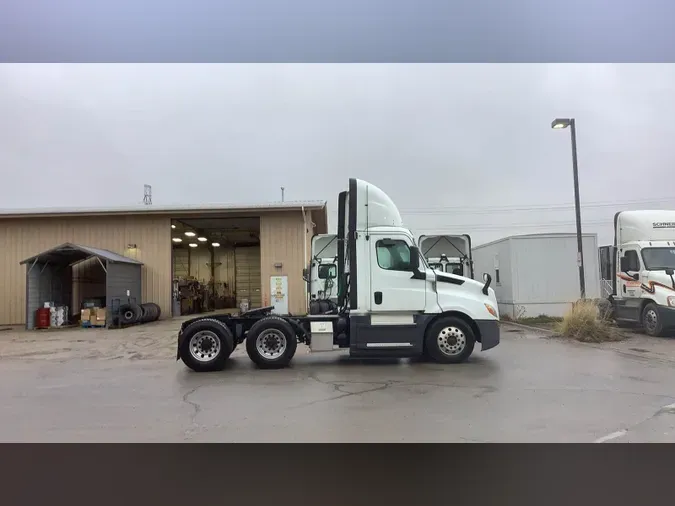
586, 322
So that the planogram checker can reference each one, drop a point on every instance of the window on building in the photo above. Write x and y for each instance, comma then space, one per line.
393, 255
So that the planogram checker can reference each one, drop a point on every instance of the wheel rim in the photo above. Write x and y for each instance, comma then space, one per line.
451, 341
204, 346
651, 320
129, 315
271, 344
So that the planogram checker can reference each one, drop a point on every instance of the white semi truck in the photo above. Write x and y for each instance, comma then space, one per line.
448, 253
390, 303
637, 270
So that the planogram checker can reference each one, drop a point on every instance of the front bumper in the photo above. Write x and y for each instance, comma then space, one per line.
666, 316
489, 333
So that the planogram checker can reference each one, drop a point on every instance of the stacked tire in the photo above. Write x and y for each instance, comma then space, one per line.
151, 312
130, 314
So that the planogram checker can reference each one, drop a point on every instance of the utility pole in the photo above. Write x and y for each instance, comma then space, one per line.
282, 193
564, 123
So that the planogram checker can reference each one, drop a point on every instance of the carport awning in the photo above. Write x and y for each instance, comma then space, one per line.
68, 254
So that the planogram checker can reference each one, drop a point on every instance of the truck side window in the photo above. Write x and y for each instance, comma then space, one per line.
327, 271
393, 255
632, 260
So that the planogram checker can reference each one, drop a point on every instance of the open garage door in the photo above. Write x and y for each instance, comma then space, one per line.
247, 275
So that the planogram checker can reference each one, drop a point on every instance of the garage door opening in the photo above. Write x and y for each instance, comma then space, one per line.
73, 277
216, 264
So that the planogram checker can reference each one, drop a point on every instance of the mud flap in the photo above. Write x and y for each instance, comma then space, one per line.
489, 333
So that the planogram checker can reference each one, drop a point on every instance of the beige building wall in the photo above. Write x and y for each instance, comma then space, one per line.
283, 238
22, 238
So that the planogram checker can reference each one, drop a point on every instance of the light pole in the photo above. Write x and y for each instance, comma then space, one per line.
559, 123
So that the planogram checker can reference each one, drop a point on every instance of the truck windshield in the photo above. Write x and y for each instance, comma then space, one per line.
658, 259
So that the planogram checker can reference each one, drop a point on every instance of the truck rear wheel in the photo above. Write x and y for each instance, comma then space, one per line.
206, 345
651, 322
271, 343
449, 340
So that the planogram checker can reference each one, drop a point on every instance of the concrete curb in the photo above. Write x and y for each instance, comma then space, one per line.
527, 327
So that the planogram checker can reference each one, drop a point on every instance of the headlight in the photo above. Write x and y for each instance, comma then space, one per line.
671, 301
493, 311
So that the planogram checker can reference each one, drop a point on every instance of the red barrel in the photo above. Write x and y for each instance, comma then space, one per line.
42, 318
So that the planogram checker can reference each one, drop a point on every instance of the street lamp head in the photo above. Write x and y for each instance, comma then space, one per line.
561, 123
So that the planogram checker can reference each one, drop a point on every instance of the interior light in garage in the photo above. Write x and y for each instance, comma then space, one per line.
215, 244
190, 234
193, 244
177, 239
173, 226
202, 239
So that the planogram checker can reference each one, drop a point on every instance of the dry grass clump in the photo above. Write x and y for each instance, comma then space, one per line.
588, 322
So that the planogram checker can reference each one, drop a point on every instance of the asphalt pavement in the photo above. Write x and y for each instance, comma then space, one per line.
530, 388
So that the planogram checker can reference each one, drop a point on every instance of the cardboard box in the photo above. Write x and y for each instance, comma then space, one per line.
100, 315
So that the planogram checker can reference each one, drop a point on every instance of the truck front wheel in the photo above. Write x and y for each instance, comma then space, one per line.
271, 343
651, 321
449, 340
206, 345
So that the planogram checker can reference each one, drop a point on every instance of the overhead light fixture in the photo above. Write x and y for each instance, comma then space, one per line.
202, 239
173, 226
177, 239
559, 123
193, 245
215, 244
190, 234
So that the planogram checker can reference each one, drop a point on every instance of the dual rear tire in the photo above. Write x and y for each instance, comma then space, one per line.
271, 343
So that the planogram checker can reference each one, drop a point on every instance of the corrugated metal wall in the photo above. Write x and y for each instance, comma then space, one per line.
547, 269
282, 236
119, 279
247, 276
22, 238
47, 283
490, 257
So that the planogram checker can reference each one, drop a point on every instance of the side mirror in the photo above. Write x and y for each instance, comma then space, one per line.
487, 279
305, 274
670, 272
414, 258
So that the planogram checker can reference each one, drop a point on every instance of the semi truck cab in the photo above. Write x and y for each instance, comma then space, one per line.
390, 303
639, 270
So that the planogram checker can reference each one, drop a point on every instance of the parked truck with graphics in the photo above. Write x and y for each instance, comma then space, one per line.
637, 271
390, 303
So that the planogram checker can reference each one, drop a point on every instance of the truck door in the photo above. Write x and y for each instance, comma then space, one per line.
628, 297
393, 287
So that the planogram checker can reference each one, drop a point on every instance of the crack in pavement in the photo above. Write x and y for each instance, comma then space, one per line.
196, 410
663, 410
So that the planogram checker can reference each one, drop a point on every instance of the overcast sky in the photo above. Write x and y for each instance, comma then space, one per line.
460, 148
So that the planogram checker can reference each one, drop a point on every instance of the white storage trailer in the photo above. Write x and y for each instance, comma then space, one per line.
538, 274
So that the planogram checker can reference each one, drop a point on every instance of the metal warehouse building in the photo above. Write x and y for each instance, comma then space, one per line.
238, 249
538, 274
